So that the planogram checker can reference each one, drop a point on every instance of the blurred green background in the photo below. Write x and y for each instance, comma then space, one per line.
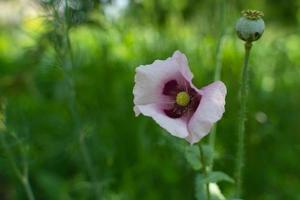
71, 69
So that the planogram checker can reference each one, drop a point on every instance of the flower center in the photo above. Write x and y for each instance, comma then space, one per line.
183, 98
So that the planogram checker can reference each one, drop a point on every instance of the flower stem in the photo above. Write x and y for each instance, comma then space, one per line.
240, 161
217, 74
204, 171
218, 69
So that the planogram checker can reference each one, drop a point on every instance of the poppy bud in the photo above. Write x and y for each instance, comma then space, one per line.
250, 26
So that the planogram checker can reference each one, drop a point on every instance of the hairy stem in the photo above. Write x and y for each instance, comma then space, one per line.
240, 161
204, 171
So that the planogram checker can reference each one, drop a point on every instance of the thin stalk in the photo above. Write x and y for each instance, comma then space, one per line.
240, 162
89, 165
10, 156
80, 135
217, 74
25, 179
28, 188
22, 177
69, 66
204, 171
218, 69
81, 140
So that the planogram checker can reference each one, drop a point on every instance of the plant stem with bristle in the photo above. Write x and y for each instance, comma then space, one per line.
240, 161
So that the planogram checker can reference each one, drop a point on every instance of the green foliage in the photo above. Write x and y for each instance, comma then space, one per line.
214, 189
200, 192
215, 177
133, 158
192, 154
208, 153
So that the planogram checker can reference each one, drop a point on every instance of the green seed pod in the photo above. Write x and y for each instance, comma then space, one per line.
251, 26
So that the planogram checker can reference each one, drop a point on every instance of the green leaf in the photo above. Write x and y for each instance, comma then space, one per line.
192, 154
200, 192
216, 176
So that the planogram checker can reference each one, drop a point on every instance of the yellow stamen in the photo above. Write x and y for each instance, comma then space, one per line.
183, 98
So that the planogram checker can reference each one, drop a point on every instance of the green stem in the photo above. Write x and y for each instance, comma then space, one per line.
81, 138
89, 165
69, 66
240, 162
22, 177
79, 134
25, 179
28, 188
204, 171
218, 69
217, 74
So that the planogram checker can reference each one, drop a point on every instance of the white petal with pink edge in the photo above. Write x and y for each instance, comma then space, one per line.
177, 127
209, 111
150, 79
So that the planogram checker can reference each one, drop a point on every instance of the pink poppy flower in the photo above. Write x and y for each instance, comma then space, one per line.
164, 91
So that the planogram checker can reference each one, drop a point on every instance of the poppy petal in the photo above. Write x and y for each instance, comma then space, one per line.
209, 111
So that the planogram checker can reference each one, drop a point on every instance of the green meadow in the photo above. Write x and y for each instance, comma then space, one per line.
68, 130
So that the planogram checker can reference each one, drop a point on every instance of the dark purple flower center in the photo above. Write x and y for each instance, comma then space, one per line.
186, 99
